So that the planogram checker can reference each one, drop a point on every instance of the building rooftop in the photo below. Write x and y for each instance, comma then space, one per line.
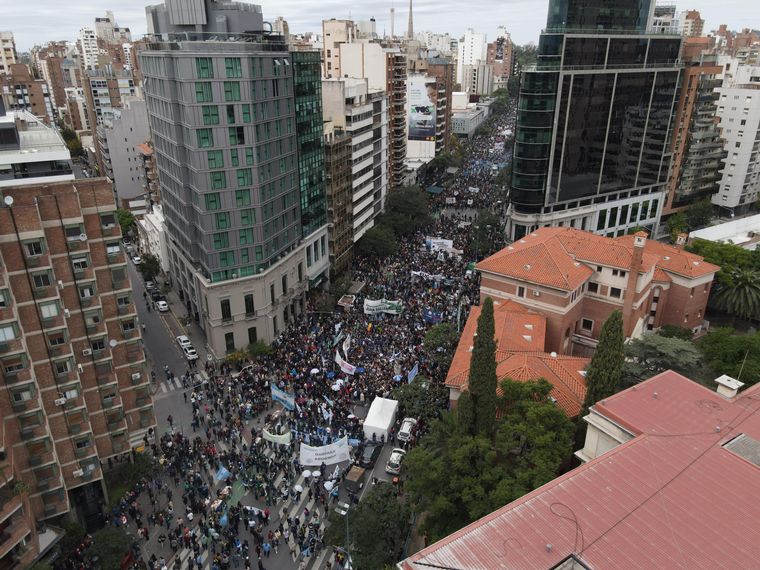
678, 495
744, 232
564, 258
520, 338
34, 136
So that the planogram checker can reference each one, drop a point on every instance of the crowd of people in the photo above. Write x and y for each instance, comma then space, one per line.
225, 496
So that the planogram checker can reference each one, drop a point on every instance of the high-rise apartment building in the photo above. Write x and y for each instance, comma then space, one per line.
477, 78
594, 120
739, 115
21, 91
77, 392
340, 209
221, 103
443, 71
472, 49
8, 54
696, 144
334, 34
87, 43
362, 113
499, 54
691, 24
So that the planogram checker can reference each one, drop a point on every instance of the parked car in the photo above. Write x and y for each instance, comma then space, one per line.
162, 306
370, 454
156, 295
183, 341
405, 432
150, 285
190, 353
137, 260
394, 461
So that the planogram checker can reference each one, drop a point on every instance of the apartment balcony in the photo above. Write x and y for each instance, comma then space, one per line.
10, 501
12, 531
11, 346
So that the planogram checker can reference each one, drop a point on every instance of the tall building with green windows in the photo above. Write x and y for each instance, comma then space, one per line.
222, 107
307, 86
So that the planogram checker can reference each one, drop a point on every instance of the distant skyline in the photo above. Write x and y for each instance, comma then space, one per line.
46, 20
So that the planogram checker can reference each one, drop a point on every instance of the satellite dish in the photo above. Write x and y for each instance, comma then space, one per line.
82, 237
8, 200
112, 343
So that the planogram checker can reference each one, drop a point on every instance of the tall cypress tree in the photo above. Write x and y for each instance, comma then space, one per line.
466, 413
483, 371
605, 372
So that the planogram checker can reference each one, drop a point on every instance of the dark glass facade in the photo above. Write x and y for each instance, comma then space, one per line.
594, 116
307, 73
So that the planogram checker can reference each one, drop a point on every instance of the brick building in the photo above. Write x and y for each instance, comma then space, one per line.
22, 92
77, 392
576, 279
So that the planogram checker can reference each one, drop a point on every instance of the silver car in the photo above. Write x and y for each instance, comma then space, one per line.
394, 461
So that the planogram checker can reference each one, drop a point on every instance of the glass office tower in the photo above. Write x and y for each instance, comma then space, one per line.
594, 119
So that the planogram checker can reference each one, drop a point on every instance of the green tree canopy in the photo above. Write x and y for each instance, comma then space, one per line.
699, 214
677, 224
149, 266
110, 544
422, 399
604, 373
739, 294
126, 220
378, 241
673, 331
737, 355
258, 349
72, 142
406, 210
482, 381
455, 477
441, 343
654, 353
377, 528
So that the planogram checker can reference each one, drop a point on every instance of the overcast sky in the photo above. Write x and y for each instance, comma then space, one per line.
44, 20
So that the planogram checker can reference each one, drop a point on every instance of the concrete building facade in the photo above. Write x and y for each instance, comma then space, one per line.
8, 55
21, 91
77, 388
472, 49
340, 208
334, 34
221, 103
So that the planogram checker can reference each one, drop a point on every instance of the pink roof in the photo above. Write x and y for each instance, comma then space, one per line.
673, 497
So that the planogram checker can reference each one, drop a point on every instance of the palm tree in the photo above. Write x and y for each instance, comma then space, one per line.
739, 294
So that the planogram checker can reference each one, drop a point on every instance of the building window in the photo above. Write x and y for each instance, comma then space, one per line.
233, 68
300, 272
323, 242
4, 299
236, 135
252, 336
107, 220
221, 240
226, 310
215, 159
41, 280
230, 114
244, 177
218, 180
593, 287
227, 258
49, 310
7, 333
203, 93
271, 292
246, 236
246, 113
231, 91
222, 220
308, 256
587, 325
210, 115
249, 305
33, 248
204, 67
615, 292
618, 273
57, 339
249, 156
242, 197
247, 217
229, 342
213, 201
521, 291
259, 253
205, 138
284, 284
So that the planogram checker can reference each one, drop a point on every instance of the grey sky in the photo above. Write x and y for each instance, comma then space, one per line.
44, 20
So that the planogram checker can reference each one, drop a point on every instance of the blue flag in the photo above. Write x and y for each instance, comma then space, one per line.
413, 372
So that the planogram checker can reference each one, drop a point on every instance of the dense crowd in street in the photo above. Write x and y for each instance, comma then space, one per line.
222, 496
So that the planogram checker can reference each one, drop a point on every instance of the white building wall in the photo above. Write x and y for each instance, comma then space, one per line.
472, 49
88, 46
7, 51
128, 129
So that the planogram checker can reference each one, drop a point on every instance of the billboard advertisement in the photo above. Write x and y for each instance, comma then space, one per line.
421, 100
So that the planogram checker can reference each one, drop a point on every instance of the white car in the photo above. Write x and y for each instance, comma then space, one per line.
394, 461
190, 353
405, 433
183, 341
162, 306
137, 260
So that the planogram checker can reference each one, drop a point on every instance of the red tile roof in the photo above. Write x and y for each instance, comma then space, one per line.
561, 258
673, 497
520, 335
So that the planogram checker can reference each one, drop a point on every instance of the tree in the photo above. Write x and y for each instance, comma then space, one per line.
406, 210
126, 220
72, 142
482, 382
441, 343
727, 352
739, 294
149, 266
72, 537
422, 398
110, 544
484, 235
377, 241
673, 331
604, 373
259, 349
466, 413
654, 353
699, 214
377, 527
676, 224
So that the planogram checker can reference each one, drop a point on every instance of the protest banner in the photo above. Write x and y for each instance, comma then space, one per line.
413, 372
282, 439
344, 366
347, 344
328, 454
373, 307
285, 398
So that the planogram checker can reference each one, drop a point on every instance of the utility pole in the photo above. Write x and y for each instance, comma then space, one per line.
343, 511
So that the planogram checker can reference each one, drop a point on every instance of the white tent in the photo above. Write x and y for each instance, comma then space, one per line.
380, 418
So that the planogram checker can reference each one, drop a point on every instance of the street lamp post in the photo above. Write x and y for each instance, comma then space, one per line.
342, 510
